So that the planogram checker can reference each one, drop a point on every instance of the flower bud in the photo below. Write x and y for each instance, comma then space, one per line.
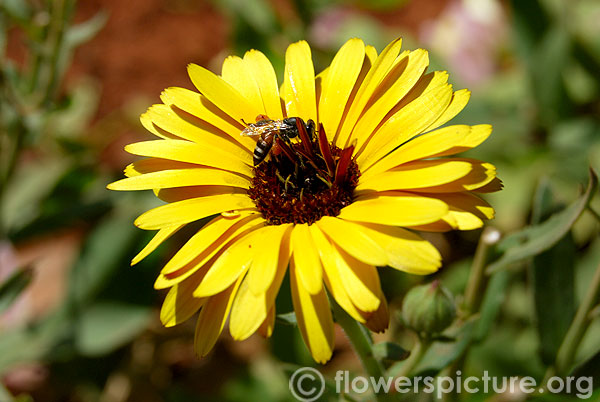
428, 309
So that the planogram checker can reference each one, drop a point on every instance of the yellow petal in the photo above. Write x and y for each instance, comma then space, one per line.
342, 76
332, 276
314, 318
197, 105
262, 70
239, 77
378, 320
466, 212
409, 121
300, 97
395, 209
374, 77
181, 178
468, 202
180, 304
249, 309
476, 135
416, 175
371, 54
150, 165
479, 175
405, 250
306, 259
266, 328
148, 125
222, 94
368, 62
444, 141
219, 228
349, 237
211, 319
160, 236
190, 152
494, 185
360, 280
185, 193
401, 79
190, 128
267, 250
206, 258
234, 261
190, 210
459, 100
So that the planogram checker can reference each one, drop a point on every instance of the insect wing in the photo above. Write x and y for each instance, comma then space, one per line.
260, 129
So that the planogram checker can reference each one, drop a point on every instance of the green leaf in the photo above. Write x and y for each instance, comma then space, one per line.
17, 9
83, 32
103, 254
258, 14
33, 342
5, 395
27, 189
13, 286
389, 351
553, 277
442, 354
287, 318
531, 21
106, 326
536, 239
491, 304
589, 368
554, 54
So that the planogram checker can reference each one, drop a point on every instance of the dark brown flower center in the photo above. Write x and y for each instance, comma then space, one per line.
304, 180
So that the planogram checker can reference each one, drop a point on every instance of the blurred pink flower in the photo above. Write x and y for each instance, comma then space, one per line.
468, 35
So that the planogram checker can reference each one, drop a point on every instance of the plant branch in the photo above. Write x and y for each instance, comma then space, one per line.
568, 348
361, 341
477, 278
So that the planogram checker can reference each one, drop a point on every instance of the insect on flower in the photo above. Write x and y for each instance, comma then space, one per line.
333, 176
271, 133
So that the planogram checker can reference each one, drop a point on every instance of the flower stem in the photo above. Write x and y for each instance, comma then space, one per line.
594, 213
403, 369
361, 341
477, 278
566, 352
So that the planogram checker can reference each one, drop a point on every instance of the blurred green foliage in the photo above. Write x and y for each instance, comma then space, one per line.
543, 102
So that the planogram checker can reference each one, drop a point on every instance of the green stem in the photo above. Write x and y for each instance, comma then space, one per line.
566, 352
403, 369
477, 278
61, 16
361, 341
18, 138
594, 213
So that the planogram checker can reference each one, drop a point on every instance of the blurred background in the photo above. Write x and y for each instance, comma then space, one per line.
77, 323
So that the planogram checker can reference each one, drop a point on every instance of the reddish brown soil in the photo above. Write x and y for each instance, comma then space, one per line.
145, 46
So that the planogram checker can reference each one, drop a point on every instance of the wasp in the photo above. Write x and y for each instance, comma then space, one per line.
269, 130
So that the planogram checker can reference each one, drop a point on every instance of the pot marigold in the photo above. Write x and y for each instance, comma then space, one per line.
330, 175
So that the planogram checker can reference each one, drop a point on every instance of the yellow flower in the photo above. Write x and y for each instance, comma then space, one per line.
332, 200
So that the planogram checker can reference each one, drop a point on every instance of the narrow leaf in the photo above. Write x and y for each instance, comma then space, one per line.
553, 278
287, 318
389, 351
536, 239
13, 286
106, 326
